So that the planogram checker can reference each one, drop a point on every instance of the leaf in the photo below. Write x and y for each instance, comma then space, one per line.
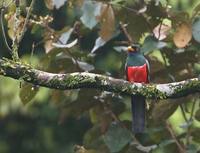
93, 137
49, 4
191, 148
165, 146
137, 24
81, 149
54, 3
183, 35
69, 45
27, 92
195, 136
59, 3
48, 46
5, 3
163, 111
99, 43
196, 10
117, 137
161, 31
11, 22
197, 68
166, 142
90, 11
185, 125
65, 36
197, 115
120, 48
196, 29
151, 43
107, 21
85, 66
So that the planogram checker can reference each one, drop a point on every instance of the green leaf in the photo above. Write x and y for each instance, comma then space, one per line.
90, 11
117, 137
166, 142
27, 92
197, 68
195, 136
185, 125
196, 10
197, 115
166, 146
163, 111
93, 137
151, 43
196, 29
191, 148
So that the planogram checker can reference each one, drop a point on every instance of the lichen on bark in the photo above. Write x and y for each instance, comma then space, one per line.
19, 70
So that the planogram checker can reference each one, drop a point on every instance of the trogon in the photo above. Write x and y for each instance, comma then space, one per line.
137, 70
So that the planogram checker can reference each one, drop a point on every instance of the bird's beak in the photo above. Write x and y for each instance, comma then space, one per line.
130, 49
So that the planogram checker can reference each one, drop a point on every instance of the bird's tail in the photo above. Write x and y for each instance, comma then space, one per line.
138, 112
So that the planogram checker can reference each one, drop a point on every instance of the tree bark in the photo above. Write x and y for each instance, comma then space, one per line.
17, 70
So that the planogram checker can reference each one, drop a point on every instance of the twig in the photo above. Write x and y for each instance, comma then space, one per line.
190, 119
3, 32
15, 43
26, 21
193, 107
183, 113
32, 51
159, 29
124, 30
172, 133
66, 49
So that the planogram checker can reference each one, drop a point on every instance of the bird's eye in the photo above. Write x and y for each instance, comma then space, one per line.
134, 48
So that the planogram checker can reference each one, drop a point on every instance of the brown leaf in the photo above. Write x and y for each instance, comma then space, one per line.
11, 23
182, 35
48, 46
107, 21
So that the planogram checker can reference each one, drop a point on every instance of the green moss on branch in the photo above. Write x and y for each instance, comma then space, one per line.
18, 70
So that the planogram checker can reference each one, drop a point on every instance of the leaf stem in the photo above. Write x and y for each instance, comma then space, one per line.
172, 133
15, 43
26, 20
3, 31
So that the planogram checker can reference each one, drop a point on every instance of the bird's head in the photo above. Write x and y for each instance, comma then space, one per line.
133, 48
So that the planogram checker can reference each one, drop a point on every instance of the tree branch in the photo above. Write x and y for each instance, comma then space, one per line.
77, 80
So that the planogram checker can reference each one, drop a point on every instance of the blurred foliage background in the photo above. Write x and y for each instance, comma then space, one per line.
84, 35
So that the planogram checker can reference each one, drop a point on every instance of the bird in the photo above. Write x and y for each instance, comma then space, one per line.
137, 70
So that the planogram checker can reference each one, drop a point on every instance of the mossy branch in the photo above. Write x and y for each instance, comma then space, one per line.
77, 80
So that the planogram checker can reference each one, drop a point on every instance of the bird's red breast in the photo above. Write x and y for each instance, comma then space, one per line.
137, 74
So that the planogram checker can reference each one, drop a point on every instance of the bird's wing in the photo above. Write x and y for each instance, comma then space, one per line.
148, 68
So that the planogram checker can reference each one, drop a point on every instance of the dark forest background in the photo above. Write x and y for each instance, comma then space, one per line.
84, 35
